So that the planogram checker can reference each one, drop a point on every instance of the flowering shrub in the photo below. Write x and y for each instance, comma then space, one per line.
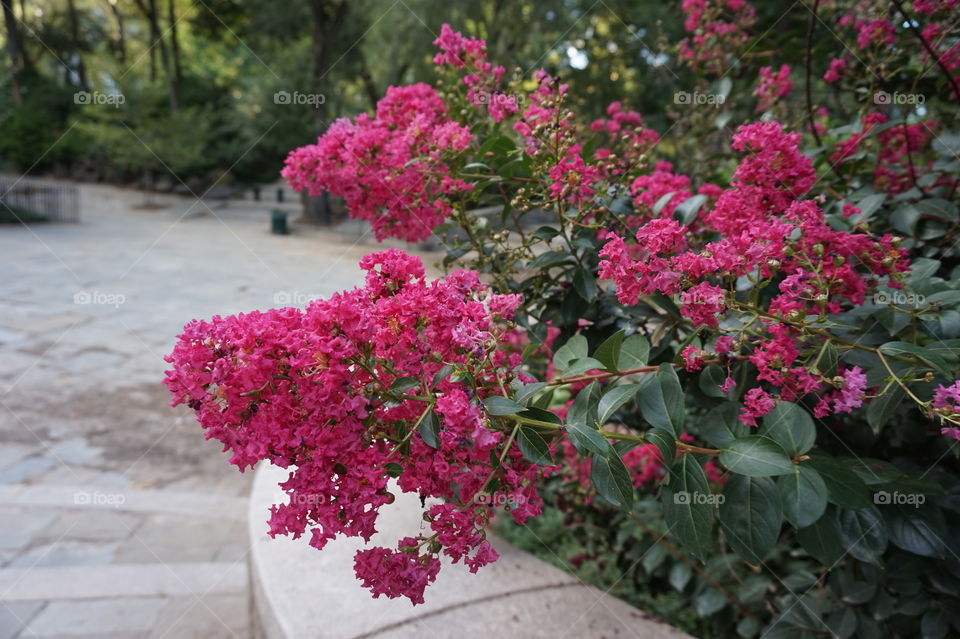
741, 372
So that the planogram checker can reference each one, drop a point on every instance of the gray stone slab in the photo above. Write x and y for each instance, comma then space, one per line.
125, 499
64, 552
15, 616
117, 580
30, 523
95, 618
11, 453
92, 525
209, 617
170, 538
26, 469
76, 450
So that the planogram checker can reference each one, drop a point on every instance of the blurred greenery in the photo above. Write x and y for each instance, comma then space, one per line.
198, 80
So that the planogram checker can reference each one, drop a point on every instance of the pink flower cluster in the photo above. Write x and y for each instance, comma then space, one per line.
836, 70
947, 399
542, 124
629, 138
762, 225
392, 168
772, 87
718, 29
310, 390
483, 80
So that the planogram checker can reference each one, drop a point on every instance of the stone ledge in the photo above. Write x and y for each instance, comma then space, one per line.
301, 593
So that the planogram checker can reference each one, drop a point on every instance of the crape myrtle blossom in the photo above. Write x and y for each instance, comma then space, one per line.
310, 391
773, 86
390, 168
761, 227
946, 400
718, 29
468, 57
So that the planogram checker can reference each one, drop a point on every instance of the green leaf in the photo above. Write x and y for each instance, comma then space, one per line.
687, 210
862, 533
662, 202
441, 374
615, 398
870, 204
756, 456
497, 405
791, 427
430, 430
710, 380
546, 233
585, 284
633, 353
584, 407
528, 392
542, 415
686, 508
654, 557
680, 575
586, 439
402, 384
548, 259
722, 425
608, 353
919, 529
393, 469
665, 441
882, 408
844, 487
804, 496
612, 480
533, 447
662, 401
751, 516
709, 601
822, 540
575, 348
580, 366
927, 356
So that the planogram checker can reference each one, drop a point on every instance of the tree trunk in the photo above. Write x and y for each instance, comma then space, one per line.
328, 18
121, 34
158, 44
77, 45
174, 44
15, 47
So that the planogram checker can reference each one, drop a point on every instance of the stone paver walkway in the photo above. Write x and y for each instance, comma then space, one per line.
116, 518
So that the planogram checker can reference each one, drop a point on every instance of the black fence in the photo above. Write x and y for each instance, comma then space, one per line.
26, 200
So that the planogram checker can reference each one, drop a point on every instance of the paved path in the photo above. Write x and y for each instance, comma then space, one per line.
116, 518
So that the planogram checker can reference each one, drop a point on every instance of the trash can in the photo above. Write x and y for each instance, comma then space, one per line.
278, 223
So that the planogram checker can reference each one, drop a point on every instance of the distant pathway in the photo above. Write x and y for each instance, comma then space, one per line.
117, 519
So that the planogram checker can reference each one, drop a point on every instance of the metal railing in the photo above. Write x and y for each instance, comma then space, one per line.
56, 202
